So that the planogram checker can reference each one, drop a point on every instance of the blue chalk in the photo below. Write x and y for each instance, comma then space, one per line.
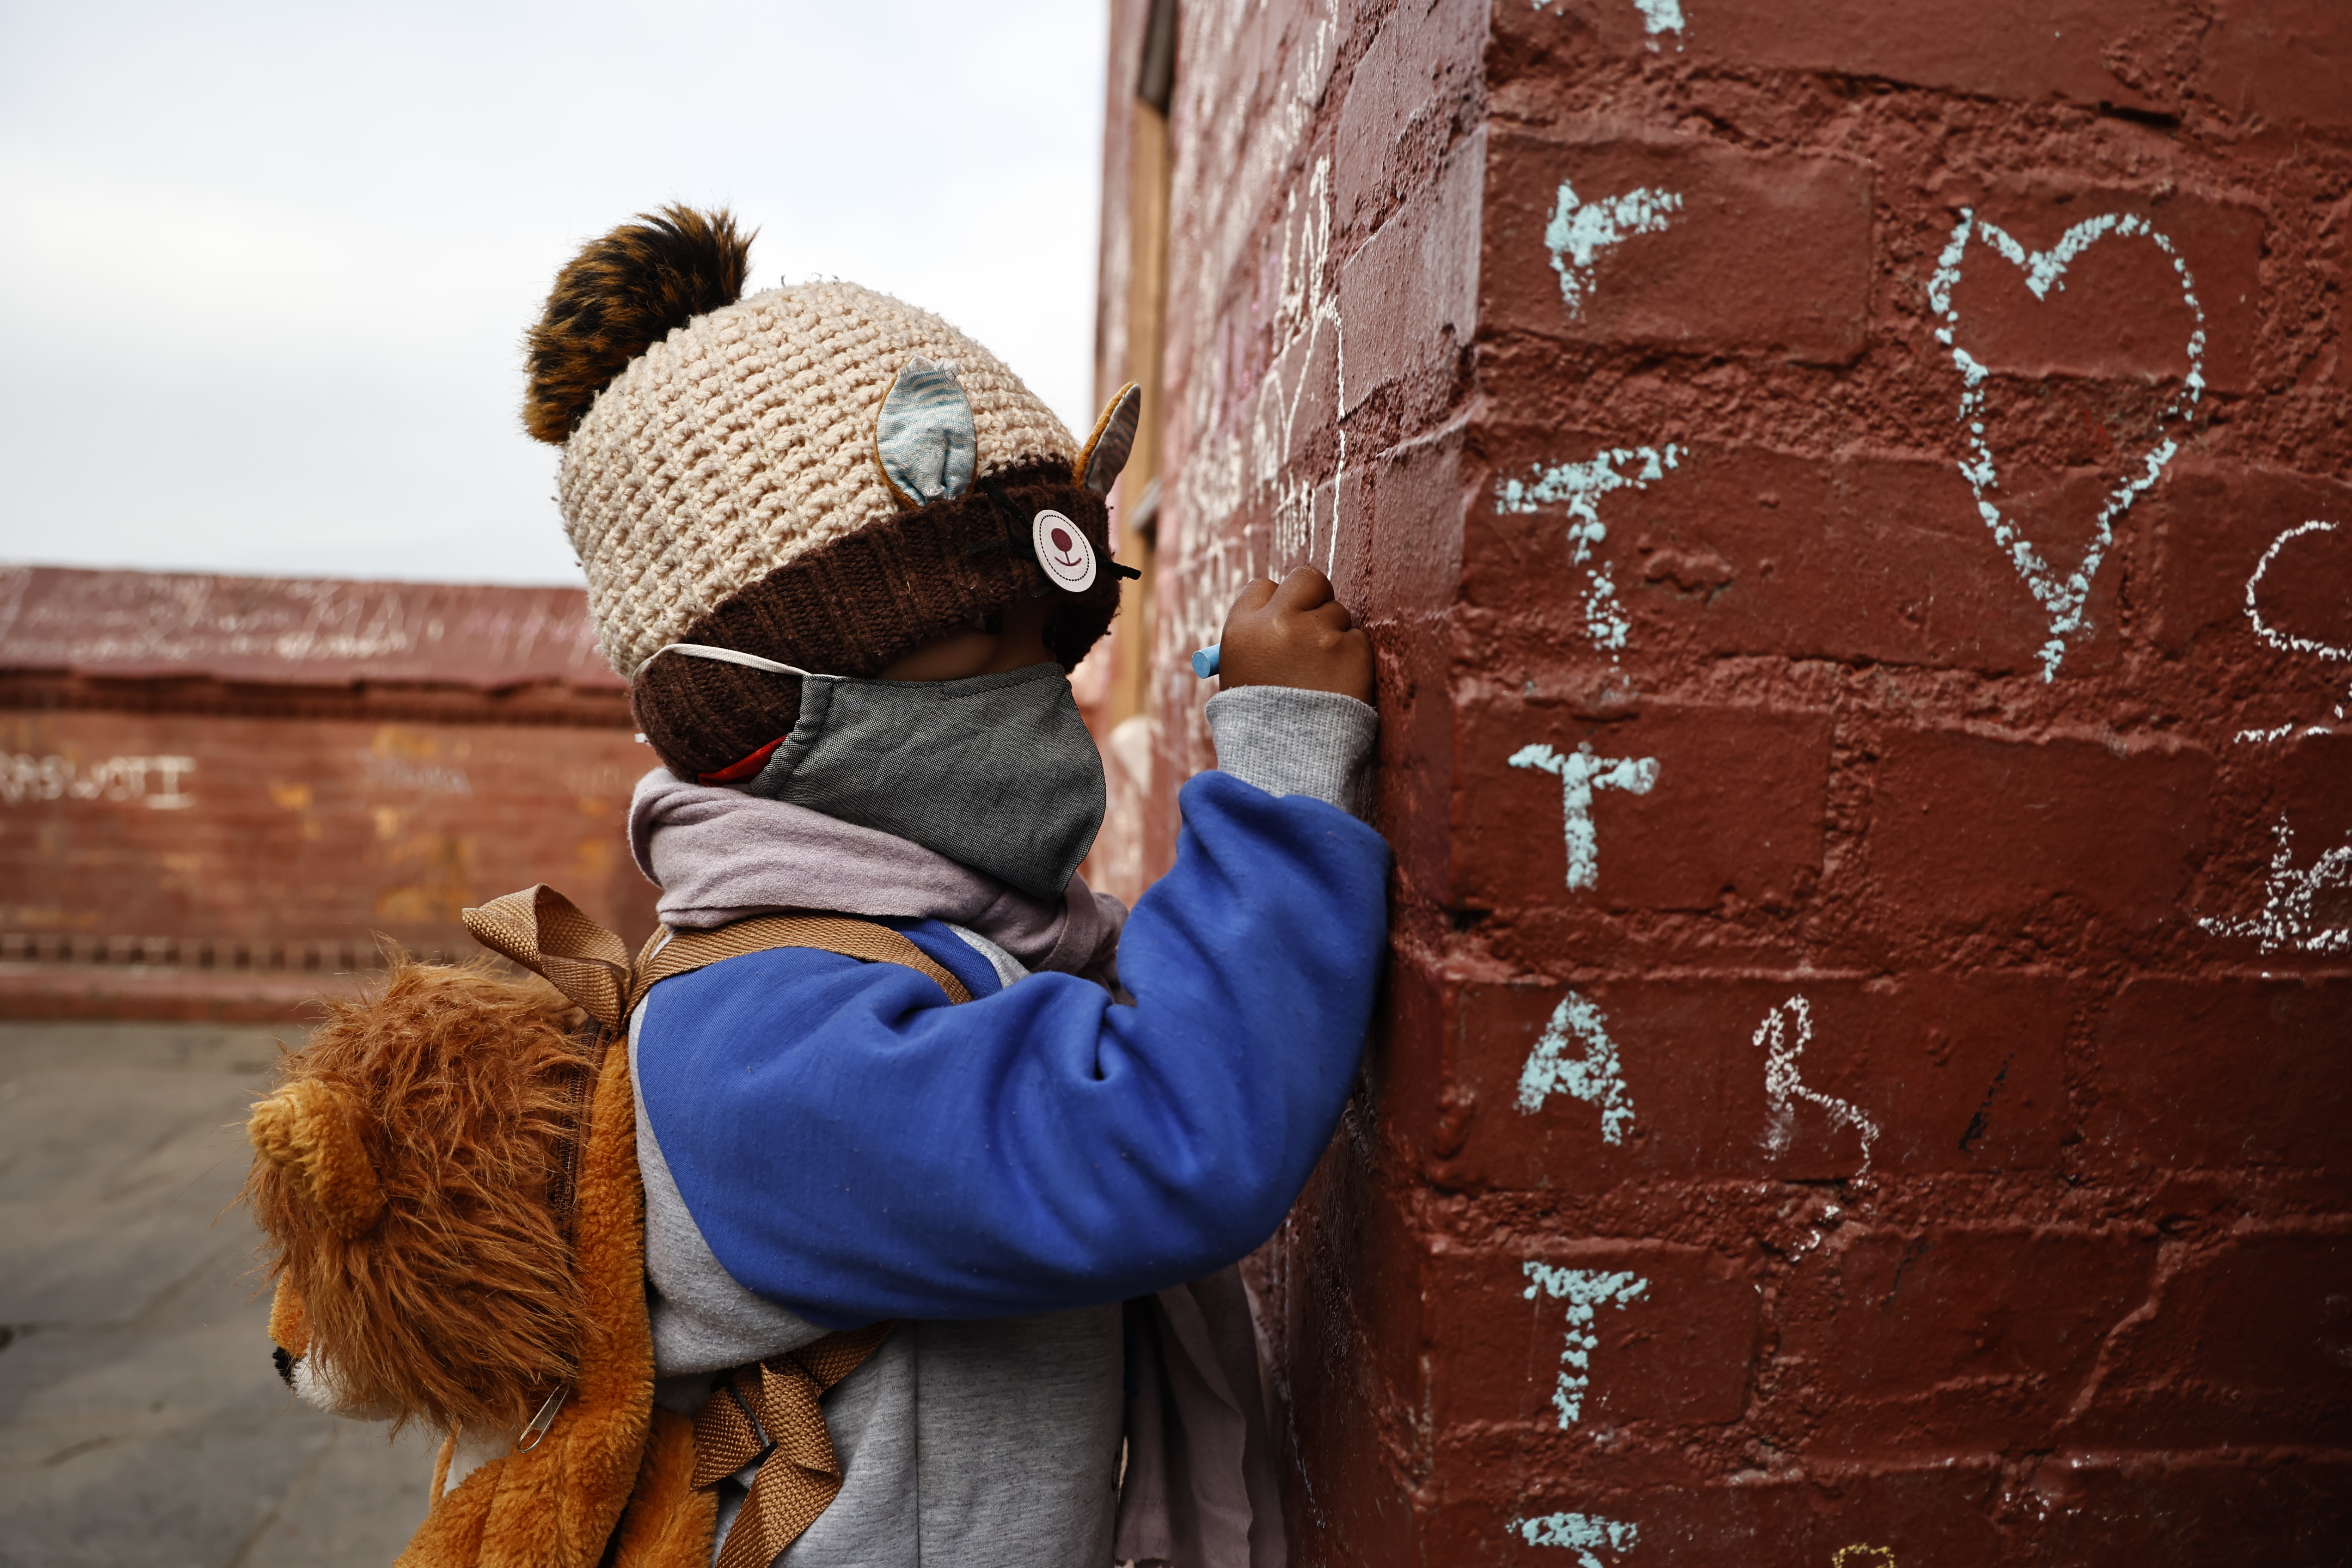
1204, 663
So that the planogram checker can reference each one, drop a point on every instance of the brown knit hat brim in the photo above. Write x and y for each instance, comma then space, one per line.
858, 604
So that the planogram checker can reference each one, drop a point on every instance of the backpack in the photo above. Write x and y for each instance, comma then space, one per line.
446, 1183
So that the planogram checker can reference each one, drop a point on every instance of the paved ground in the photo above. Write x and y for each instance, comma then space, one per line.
139, 1421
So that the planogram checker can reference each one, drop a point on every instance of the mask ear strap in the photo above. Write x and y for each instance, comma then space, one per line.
731, 656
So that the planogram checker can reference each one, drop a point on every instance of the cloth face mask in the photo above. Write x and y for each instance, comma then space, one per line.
997, 772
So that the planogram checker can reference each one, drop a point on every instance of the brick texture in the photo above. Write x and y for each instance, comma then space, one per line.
2091, 51
1758, 252
2283, 1100
1957, 1338
212, 807
1946, 1073
1623, 814
310, 831
1674, 1333
2280, 63
1872, 937
2015, 837
2174, 1514
1745, 551
2212, 524
2246, 1345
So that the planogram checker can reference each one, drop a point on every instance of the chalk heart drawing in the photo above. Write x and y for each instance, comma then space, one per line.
1580, 772
1783, 1036
1579, 231
2286, 641
1582, 1534
2062, 596
2290, 916
1585, 1290
1594, 1076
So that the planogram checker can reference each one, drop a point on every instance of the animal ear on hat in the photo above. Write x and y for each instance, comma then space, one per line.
1106, 450
310, 1131
923, 438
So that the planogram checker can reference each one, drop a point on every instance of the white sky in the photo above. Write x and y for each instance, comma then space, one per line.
266, 267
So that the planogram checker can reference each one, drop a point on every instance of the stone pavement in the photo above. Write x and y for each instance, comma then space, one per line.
140, 1422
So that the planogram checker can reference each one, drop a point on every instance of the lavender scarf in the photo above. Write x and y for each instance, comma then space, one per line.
719, 855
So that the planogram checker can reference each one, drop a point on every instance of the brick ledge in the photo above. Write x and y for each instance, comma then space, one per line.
126, 991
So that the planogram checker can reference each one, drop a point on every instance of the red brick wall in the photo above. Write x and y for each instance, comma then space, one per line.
217, 793
254, 834
1887, 1102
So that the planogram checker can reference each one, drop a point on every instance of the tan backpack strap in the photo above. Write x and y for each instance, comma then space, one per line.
674, 953
802, 1474
545, 933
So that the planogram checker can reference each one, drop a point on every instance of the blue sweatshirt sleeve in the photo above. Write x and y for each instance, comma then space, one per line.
854, 1147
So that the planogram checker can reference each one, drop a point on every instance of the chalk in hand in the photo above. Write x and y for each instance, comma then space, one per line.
1204, 663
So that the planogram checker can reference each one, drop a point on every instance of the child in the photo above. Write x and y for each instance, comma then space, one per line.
847, 560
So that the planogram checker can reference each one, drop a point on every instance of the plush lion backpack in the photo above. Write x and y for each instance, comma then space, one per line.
447, 1180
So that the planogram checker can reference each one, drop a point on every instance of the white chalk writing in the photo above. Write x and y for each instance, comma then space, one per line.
1784, 1084
153, 782
1307, 311
2284, 641
1262, 461
1657, 17
1585, 1290
2062, 598
1595, 1076
1580, 772
1579, 231
2291, 915
1228, 172
398, 773
1582, 486
1582, 1534
1660, 17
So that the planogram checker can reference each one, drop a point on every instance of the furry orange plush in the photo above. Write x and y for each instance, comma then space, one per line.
446, 1182
447, 1185
413, 1181
310, 1131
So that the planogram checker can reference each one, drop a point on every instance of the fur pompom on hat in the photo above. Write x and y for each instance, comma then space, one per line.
622, 293
822, 475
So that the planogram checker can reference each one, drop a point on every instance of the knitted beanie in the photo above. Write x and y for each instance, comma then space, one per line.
822, 475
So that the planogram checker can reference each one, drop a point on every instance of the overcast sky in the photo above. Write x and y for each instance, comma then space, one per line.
266, 267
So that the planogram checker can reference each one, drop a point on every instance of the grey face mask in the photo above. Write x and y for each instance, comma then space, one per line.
997, 770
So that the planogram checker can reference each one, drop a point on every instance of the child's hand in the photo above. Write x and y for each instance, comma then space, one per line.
1295, 635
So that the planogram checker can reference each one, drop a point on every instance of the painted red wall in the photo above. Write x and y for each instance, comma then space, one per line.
215, 794
1867, 1047
244, 832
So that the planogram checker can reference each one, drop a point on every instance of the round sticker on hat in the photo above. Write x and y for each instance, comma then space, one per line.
1063, 551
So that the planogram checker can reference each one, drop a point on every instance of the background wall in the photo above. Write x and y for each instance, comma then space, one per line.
1850, 500
215, 791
